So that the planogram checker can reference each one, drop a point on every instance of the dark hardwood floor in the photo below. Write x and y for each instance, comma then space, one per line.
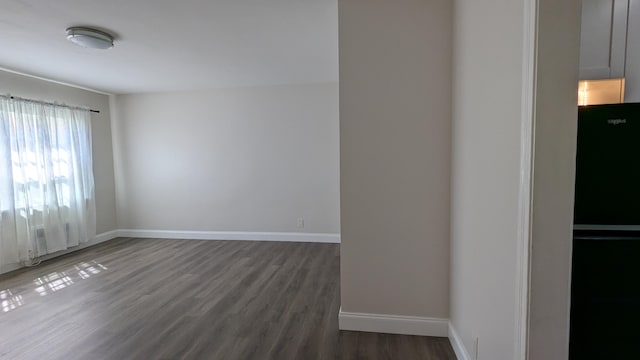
187, 299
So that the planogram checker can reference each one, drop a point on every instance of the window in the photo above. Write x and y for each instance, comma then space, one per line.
46, 179
30, 174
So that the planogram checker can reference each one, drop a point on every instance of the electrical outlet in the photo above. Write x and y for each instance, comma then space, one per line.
300, 222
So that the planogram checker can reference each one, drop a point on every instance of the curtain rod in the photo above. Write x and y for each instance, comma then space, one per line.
50, 103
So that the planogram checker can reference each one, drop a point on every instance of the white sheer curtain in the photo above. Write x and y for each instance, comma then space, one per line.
47, 201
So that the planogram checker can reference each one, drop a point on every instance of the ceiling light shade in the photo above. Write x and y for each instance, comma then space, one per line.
89, 38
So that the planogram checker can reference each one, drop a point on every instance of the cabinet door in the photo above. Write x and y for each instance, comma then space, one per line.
632, 72
603, 39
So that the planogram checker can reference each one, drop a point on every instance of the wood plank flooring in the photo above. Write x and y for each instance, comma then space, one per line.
188, 299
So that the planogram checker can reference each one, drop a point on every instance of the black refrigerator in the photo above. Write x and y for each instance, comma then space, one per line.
605, 289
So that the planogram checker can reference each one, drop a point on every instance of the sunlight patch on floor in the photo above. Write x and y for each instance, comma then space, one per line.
50, 283
9, 301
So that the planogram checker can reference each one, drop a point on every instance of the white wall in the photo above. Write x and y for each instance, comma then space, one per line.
32, 88
395, 74
244, 159
554, 179
488, 110
487, 93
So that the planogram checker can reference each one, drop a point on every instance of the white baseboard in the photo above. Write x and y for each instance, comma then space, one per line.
192, 235
100, 238
393, 324
109, 235
9, 267
231, 235
458, 346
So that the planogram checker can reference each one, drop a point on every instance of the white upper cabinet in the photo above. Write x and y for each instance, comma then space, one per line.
603, 39
632, 72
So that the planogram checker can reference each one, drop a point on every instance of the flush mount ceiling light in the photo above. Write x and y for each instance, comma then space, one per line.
89, 38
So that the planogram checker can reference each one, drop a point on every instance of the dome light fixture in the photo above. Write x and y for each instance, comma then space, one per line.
89, 38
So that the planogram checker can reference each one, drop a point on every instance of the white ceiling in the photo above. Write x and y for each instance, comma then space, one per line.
174, 45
